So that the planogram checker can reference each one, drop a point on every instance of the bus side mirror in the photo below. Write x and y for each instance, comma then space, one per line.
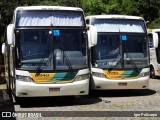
92, 36
10, 34
155, 40
3, 48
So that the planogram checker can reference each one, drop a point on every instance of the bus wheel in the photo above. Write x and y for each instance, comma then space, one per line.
152, 73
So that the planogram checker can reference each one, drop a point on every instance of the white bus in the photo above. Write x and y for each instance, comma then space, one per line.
120, 60
46, 52
154, 44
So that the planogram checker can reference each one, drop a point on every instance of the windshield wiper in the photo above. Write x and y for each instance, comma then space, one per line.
129, 58
118, 60
67, 61
38, 69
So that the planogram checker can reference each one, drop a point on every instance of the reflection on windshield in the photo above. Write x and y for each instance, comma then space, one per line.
111, 48
34, 46
42, 48
107, 51
135, 51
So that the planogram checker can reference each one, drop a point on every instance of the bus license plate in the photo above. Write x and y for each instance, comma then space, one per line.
122, 84
54, 89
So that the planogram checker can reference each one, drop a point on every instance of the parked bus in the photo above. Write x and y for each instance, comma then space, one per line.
120, 60
154, 44
46, 52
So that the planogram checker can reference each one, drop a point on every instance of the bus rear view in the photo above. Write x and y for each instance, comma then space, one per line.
120, 59
46, 52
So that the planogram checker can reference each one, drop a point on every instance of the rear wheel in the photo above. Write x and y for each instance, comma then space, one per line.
152, 73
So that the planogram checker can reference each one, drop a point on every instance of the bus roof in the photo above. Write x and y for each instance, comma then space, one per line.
155, 30
114, 17
48, 8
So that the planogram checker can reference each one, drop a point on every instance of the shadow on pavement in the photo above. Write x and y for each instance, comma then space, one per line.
156, 77
122, 93
93, 98
57, 101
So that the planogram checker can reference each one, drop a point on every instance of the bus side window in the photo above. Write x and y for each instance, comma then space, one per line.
150, 36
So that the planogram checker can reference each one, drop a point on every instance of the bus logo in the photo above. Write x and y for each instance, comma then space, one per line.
113, 73
41, 75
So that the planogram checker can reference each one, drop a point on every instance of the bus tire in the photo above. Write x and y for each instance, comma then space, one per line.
152, 73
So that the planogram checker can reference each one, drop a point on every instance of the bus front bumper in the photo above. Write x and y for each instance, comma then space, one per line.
110, 84
29, 89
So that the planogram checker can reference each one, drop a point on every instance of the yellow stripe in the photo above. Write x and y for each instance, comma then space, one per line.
117, 74
42, 77
113, 73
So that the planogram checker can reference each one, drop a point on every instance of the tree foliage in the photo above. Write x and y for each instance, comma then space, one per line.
148, 9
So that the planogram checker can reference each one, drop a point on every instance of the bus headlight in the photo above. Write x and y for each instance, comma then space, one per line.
24, 78
81, 77
101, 75
144, 74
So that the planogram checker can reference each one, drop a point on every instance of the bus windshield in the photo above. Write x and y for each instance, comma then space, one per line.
135, 51
33, 18
114, 50
107, 51
51, 49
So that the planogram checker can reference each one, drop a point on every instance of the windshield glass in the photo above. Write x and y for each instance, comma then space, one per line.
51, 49
49, 18
107, 51
135, 49
120, 51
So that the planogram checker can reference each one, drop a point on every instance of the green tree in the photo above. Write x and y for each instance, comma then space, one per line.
114, 6
49, 2
93, 7
72, 3
129, 7
149, 9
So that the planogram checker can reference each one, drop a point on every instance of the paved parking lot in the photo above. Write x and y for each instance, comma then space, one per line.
87, 106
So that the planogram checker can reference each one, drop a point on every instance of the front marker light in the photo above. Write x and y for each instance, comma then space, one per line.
81, 77
24, 78
144, 74
101, 75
